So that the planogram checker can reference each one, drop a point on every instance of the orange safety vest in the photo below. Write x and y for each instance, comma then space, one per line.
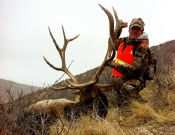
124, 57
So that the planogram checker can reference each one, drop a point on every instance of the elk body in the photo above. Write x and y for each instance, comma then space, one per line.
92, 100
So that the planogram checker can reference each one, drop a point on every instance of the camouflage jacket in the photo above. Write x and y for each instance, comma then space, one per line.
140, 62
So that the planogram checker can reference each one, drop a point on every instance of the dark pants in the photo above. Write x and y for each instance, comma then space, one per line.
127, 89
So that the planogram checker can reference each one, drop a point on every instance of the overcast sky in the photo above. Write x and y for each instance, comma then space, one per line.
25, 39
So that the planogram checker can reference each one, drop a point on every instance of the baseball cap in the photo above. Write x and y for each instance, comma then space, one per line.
137, 22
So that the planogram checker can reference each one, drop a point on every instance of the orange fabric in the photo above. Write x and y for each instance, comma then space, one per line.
124, 57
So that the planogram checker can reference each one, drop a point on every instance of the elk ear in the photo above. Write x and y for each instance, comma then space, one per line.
77, 92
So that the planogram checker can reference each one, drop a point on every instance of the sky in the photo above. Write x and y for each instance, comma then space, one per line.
25, 39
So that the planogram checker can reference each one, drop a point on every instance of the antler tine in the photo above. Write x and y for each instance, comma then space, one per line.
118, 24
60, 88
111, 21
78, 86
68, 86
62, 56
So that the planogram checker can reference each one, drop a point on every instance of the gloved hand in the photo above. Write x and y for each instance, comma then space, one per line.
111, 64
124, 25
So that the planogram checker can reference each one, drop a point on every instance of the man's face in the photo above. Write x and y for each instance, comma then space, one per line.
135, 32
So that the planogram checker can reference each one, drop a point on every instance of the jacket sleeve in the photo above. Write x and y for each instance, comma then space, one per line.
140, 63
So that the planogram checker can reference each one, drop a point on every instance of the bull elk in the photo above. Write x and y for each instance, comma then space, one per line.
92, 100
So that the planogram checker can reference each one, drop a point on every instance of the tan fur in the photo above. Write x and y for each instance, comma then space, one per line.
56, 106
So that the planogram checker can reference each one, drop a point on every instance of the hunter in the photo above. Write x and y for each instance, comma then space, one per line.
130, 63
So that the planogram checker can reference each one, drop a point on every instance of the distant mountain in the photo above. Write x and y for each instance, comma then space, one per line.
165, 74
15, 89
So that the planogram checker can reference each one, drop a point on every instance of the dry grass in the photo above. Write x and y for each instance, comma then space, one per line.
89, 126
143, 113
138, 119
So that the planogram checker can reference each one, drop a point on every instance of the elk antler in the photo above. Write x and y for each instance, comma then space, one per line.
62, 55
108, 57
113, 35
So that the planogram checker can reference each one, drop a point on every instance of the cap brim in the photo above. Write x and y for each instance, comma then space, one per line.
136, 25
